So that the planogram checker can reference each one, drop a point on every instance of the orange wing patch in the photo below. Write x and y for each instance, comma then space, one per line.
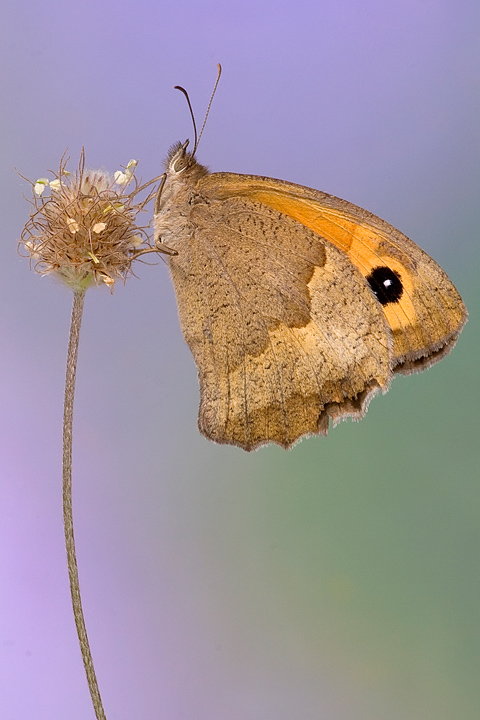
429, 310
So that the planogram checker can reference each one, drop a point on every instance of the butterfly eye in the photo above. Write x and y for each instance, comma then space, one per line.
180, 165
180, 160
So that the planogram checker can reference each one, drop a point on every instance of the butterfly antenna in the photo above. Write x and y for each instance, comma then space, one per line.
197, 137
219, 72
178, 87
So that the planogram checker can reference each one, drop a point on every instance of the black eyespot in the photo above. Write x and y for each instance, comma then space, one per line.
386, 284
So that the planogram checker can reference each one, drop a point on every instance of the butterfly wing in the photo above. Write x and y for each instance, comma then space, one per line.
284, 329
423, 309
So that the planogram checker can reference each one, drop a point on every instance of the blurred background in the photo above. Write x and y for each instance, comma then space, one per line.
339, 580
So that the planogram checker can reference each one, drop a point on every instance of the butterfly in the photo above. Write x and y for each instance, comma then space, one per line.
298, 306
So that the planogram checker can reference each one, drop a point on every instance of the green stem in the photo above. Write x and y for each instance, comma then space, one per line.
76, 320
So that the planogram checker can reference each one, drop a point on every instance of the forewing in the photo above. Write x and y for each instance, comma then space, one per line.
425, 316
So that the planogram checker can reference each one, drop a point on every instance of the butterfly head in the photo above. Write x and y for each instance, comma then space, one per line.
178, 185
178, 159
174, 193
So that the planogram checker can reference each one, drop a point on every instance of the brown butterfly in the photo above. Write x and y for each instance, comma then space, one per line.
297, 306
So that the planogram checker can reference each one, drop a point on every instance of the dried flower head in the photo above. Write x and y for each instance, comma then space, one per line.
84, 230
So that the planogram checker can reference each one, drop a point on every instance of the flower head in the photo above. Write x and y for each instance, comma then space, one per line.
84, 230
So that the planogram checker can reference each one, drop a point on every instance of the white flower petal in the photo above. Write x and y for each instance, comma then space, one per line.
40, 185
73, 225
110, 282
32, 248
122, 178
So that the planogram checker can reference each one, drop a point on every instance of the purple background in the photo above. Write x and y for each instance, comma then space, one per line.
339, 580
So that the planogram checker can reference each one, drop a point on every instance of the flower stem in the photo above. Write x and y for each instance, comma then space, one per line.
76, 319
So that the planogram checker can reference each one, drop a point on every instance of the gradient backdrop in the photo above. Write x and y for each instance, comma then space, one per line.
337, 581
